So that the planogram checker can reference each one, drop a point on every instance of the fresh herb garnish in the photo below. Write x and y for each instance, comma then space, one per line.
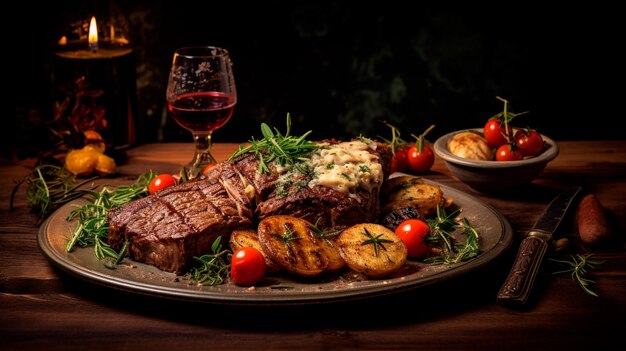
92, 228
376, 241
441, 229
287, 238
212, 268
49, 187
578, 266
288, 150
322, 233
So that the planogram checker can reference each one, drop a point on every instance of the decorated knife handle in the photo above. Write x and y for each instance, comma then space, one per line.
518, 285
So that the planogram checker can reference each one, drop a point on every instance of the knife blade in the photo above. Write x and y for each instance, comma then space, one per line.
518, 284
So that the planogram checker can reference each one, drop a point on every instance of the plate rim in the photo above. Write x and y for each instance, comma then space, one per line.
75, 269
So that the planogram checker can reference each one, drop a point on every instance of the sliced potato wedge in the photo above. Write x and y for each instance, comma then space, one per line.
372, 249
249, 238
290, 243
331, 249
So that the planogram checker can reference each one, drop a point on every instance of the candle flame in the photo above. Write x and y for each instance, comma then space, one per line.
93, 34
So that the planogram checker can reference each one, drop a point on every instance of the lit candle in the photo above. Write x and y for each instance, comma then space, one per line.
95, 84
93, 34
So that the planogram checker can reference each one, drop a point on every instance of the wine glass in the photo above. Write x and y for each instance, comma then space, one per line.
201, 96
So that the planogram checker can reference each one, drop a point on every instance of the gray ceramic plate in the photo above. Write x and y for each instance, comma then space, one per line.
495, 238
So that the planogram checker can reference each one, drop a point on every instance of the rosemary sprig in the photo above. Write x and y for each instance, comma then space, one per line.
376, 241
287, 238
212, 268
323, 234
92, 228
49, 187
470, 249
578, 267
441, 229
288, 150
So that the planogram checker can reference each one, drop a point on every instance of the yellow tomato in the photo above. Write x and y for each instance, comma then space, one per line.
85, 161
82, 162
105, 165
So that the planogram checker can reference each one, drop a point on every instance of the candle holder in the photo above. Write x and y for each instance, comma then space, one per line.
94, 76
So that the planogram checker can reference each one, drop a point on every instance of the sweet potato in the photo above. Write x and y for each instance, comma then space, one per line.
593, 222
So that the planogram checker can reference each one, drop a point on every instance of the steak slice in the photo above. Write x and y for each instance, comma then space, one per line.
341, 199
169, 228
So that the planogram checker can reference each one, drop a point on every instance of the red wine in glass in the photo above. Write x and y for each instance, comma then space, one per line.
202, 111
201, 96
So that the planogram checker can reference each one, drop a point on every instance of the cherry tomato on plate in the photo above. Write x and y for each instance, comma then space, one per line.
529, 142
247, 266
420, 161
413, 233
161, 182
399, 161
508, 152
495, 133
208, 168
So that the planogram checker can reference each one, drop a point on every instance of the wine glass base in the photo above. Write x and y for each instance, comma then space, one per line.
197, 166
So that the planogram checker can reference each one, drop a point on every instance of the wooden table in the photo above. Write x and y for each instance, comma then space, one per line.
42, 307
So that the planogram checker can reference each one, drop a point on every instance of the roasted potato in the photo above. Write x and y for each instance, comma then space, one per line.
471, 146
328, 244
372, 249
249, 238
290, 242
406, 191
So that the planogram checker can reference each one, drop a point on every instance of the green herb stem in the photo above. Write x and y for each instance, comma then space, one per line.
286, 149
212, 268
441, 229
92, 227
50, 186
578, 266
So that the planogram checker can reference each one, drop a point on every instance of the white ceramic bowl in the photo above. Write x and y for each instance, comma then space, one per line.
495, 176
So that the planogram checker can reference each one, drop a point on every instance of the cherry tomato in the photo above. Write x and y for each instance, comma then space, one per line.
508, 152
413, 232
208, 168
529, 142
247, 266
399, 161
495, 132
161, 182
420, 161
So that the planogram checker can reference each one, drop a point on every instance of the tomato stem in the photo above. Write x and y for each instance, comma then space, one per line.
419, 140
396, 141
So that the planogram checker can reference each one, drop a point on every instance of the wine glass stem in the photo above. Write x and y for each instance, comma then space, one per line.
202, 157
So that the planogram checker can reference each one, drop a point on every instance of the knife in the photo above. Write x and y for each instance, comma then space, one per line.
518, 285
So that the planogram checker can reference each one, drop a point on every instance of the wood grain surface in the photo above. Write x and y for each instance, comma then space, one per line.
42, 307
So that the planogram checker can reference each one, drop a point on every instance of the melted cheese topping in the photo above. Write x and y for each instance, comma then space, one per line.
346, 167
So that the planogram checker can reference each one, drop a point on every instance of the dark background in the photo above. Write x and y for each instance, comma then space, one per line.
339, 67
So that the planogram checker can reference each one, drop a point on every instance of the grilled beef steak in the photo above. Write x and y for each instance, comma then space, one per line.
341, 187
170, 227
